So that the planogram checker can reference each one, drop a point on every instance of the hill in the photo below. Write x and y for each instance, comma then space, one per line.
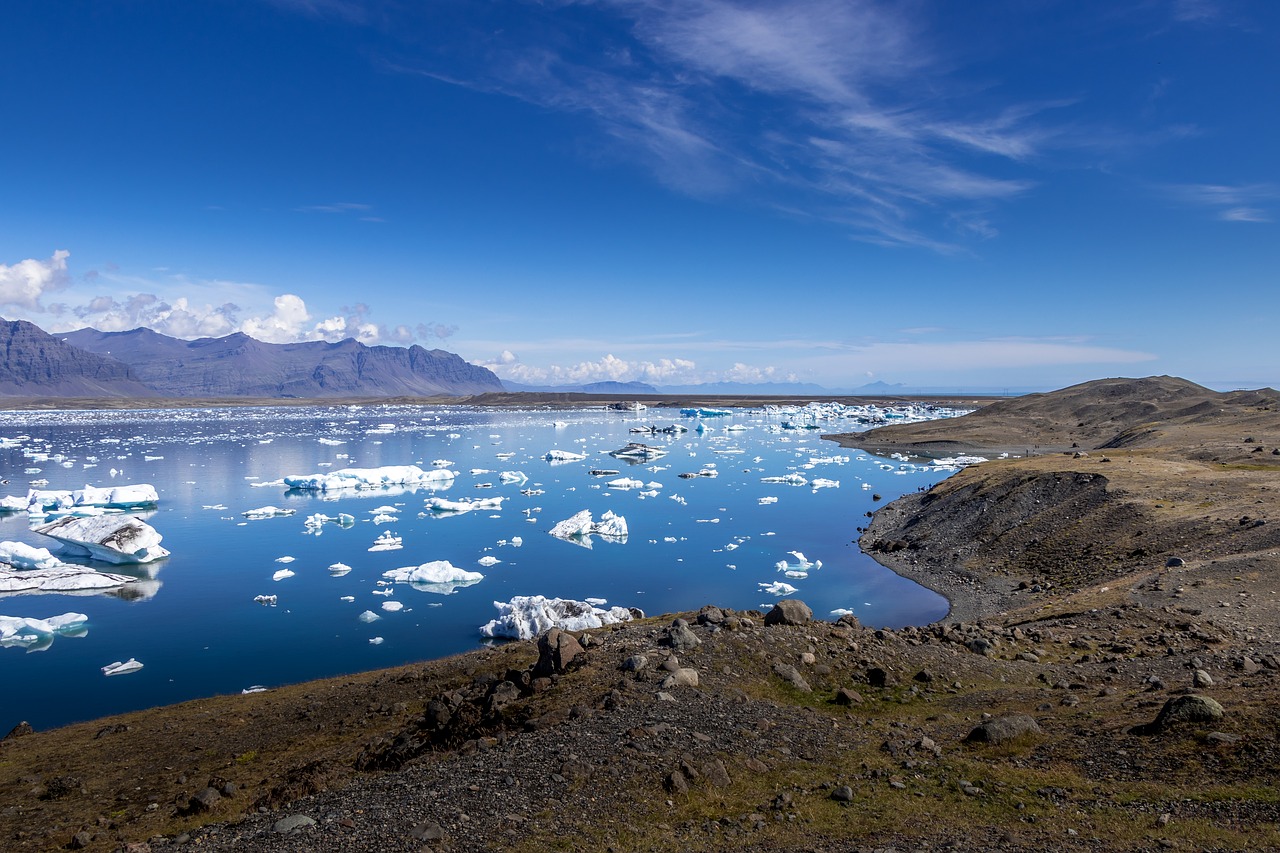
240, 366
36, 364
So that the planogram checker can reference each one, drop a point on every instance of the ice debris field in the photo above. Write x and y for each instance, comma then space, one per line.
303, 542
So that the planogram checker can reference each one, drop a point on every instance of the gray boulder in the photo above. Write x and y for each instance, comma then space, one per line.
789, 612
1003, 729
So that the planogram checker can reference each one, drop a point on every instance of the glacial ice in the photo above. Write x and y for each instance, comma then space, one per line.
579, 528
564, 456
444, 506
792, 479
267, 512
20, 555
349, 479
624, 483
26, 631
438, 576
38, 502
387, 541
114, 539
526, 616
63, 578
339, 569
118, 668
517, 477
282, 574
777, 588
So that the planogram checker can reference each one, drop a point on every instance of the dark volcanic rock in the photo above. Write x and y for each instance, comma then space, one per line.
36, 364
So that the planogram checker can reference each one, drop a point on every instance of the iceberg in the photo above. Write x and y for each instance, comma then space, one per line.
625, 483
118, 668
526, 616
63, 578
108, 538
39, 501
564, 456
444, 506
25, 631
439, 576
349, 479
20, 555
388, 541
266, 600
777, 588
792, 479
267, 512
368, 616
640, 452
282, 574
339, 569
517, 477
488, 560
823, 483
579, 528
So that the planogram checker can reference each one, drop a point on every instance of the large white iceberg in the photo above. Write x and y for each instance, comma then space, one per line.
579, 528
526, 616
20, 555
444, 506
109, 538
439, 576
564, 456
41, 501
25, 631
62, 578
372, 478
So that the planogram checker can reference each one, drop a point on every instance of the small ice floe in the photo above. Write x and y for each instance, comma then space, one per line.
841, 611
285, 559
267, 512
823, 483
118, 668
439, 577
792, 479
388, 541
526, 616
625, 483
267, 600
392, 606
358, 479
515, 477
62, 578
767, 499
800, 568
955, 463
444, 506
368, 616
777, 588
563, 456
256, 688
330, 442
580, 528
347, 598
376, 641
39, 633
442, 463
384, 518
40, 501
637, 451
282, 574
114, 539
488, 560
20, 555
314, 523
339, 569
214, 506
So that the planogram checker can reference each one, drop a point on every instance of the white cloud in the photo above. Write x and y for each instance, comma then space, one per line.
24, 283
1229, 202
507, 365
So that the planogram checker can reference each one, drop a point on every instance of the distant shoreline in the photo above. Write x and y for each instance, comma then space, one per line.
568, 400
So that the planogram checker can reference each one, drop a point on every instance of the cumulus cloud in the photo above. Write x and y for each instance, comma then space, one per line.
507, 365
24, 283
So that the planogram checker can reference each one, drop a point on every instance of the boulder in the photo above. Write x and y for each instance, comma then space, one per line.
792, 676
1191, 708
556, 652
681, 637
790, 611
1003, 729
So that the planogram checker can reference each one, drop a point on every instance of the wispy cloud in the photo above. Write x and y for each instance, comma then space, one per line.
334, 207
1229, 203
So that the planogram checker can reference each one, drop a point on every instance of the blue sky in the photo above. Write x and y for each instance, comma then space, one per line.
985, 195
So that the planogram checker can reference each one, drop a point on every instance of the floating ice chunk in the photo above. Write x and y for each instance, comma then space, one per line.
339, 569
282, 574
285, 559
439, 576
488, 560
441, 463
444, 506
385, 510
368, 616
62, 577
579, 528
767, 499
384, 518
371, 478
526, 616
118, 668
20, 555
777, 588
517, 477
564, 456
256, 688
376, 641
823, 483
347, 598
331, 442
955, 462
392, 606
267, 512
841, 611
315, 522
109, 538
388, 541
625, 483
268, 600
792, 479
111, 497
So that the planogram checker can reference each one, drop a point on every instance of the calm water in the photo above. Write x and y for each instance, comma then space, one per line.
697, 541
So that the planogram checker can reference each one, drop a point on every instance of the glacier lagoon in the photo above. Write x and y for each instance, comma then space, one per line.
765, 505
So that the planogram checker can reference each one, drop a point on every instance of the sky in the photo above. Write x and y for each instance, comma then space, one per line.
998, 194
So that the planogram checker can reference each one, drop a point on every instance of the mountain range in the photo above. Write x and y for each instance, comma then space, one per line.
145, 363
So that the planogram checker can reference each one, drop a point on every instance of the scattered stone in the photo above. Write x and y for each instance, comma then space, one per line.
1192, 708
1174, 563
1003, 729
292, 823
675, 783
428, 831
204, 800
681, 637
81, 839
848, 696
710, 615
683, 677
635, 663
1201, 679
1221, 738
789, 611
557, 651
60, 786
877, 677
20, 730
716, 773
842, 794
792, 676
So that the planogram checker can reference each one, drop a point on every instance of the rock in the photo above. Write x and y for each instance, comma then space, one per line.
808, 658
681, 637
501, 695
1003, 729
203, 801
635, 663
923, 676
292, 823
848, 696
842, 794
792, 676
675, 783
790, 611
81, 840
1248, 665
428, 831
716, 774
20, 730
877, 677
60, 786
1201, 679
671, 664
556, 653
1192, 708
710, 615
1174, 563
1221, 738
683, 677
849, 620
